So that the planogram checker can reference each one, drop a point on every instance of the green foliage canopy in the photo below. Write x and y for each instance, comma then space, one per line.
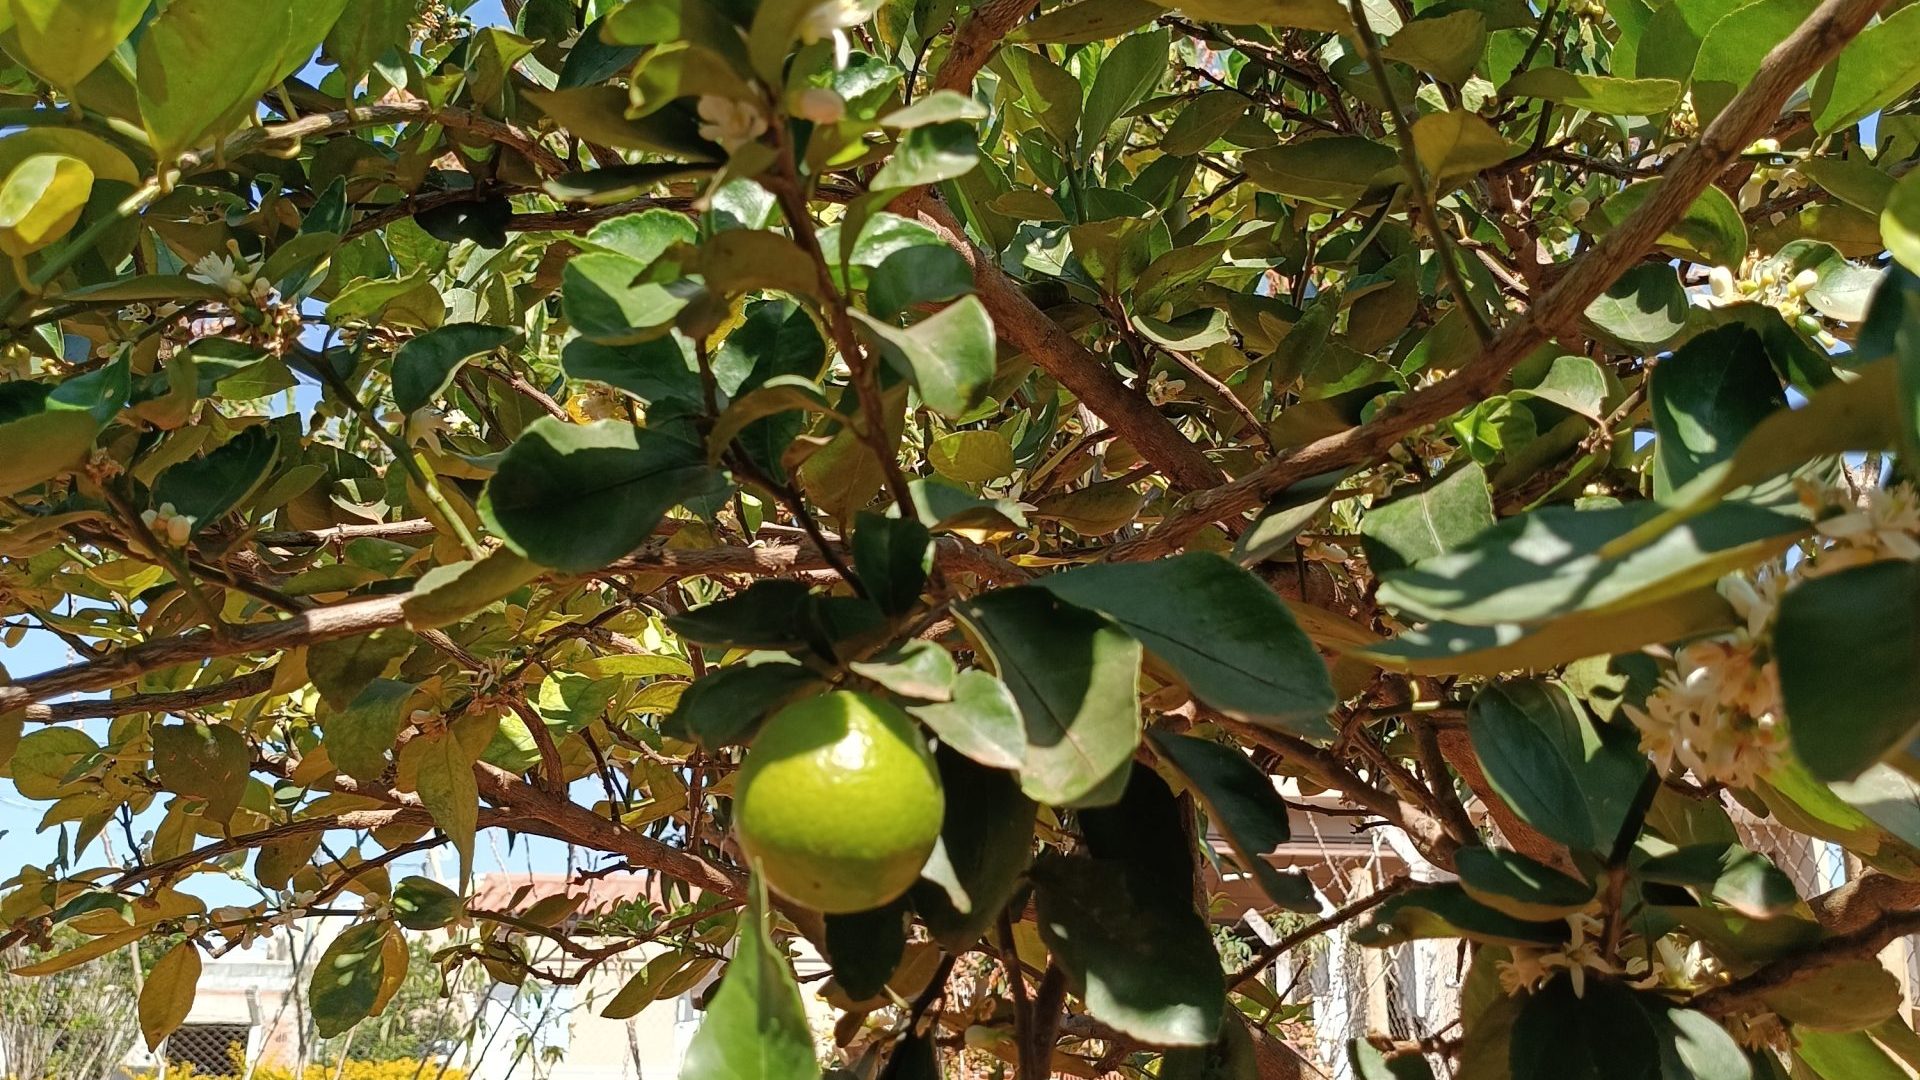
1496, 415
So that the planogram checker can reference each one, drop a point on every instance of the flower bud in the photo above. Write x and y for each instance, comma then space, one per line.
1720, 279
820, 105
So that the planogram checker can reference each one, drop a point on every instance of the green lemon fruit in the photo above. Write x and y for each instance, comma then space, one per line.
839, 802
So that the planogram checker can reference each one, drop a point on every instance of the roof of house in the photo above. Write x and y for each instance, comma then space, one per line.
510, 891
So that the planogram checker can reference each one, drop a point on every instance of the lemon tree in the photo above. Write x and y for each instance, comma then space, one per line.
968, 459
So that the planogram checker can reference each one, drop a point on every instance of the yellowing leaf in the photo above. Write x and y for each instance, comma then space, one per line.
167, 996
443, 776
40, 200
1455, 145
64, 40
74, 957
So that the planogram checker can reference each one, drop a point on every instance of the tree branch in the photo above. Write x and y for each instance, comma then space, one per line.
1749, 116
1024, 326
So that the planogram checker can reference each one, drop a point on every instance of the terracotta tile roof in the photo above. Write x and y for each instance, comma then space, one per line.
516, 892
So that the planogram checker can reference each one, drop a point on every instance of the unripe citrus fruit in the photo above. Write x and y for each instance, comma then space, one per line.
839, 801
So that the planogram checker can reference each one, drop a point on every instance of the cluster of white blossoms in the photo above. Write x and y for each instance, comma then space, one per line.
1717, 713
1878, 523
168, 524
1530, 969
1766, 281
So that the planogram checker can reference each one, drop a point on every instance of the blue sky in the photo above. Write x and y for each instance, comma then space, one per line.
41, 651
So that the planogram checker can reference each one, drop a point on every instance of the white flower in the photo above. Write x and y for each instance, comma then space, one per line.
1525, 972
1755, 600
820, 105
831, 19
1720, 279
730, 123
1717, 714
1884, 525
233, 275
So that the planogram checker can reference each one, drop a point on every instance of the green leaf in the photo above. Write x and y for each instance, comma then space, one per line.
1452, 146
657, 370
1705, 399
1513, 884
201, 65
1205, 119
864, 948
1087, 20
1644, 308
1848, 646
657, 979
346, 979
365, 30
949, 356
1123, 79
920, 670
441, 764
1441, 517
911, 276
424, 904
981, 720
1145, 969
1446, 648
1547, 761
1241, 802
64, 40
1553, 561
1611, 1031
41, 200
1732, 52
1448, 46
205, 488
1850, 1056
1334, 171
359, 736
1857, 414
1072, 674
893, 558
928, 155
725, 706
1743, 880
1446, 911
340, 669
449, 593
1900, 222
1869, 74
600, 299
986, 842
209, 762
578, 496
1226, 634
424, 367
1328, 16
1847, 996
1711, 231
1051, 94
972, 457
756, 1023
1596, 93
44, 431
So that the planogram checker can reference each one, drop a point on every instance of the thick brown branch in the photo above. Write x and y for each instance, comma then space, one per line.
175, 701
1749, 116
1072, 365
123, 666
1751, 991
976, 40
